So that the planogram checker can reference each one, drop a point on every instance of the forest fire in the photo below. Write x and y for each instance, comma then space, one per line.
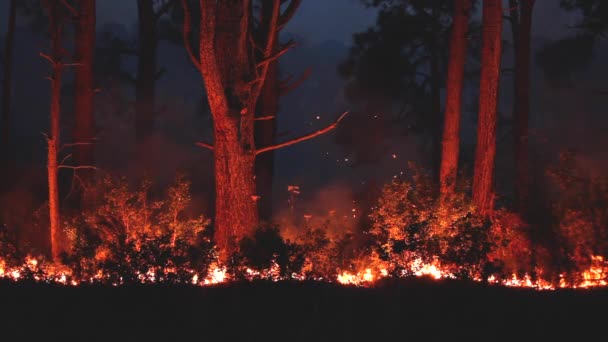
33, 270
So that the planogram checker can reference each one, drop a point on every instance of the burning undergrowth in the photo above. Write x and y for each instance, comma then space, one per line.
132, 238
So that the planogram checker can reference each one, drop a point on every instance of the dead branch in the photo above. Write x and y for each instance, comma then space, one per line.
204, 145
264, 118
47, 57
289, 13
70, 8
264, 62
163, 9
80, 167
64, 159
186, 30
302, 138
287, 87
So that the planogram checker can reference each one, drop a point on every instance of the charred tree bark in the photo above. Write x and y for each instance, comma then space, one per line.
8, 71
53, 138
84, 123
485, 153
521, 24
453, 107
145, 83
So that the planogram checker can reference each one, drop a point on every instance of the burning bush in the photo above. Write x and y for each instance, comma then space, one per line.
412, 229
130, 238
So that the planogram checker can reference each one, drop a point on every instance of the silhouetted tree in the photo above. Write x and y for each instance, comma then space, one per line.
8, 70
557, 58
485, 152
521, 26
403, 60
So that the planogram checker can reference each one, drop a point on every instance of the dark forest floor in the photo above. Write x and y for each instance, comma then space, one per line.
406, 310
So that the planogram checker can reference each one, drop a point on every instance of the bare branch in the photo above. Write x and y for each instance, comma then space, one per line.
164, 9
186, 30
80, 167
47, 57
70, 8
64, 159
302, 138
289, 13
264, 62
287, 87
204, 145
264, 118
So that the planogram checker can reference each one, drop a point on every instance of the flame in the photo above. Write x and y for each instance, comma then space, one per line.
596, 275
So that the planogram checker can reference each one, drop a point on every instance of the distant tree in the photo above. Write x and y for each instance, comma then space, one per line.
7, 80
399, 65
557, 58
234, 74
149, 12
453, 108
521, 26
485, 152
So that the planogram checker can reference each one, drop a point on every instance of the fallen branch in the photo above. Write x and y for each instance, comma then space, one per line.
302, 138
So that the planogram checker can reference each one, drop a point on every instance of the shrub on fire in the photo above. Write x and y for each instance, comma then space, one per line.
130, 238
412, 229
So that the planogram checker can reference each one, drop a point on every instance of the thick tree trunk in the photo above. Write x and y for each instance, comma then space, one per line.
453, 106
236, 213
145, 83
485, 153
521, 110
84, 123
7, 81
226, 69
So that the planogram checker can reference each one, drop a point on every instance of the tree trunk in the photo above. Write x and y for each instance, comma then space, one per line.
521, 108
145, 83
53, 139
236, 214
84, 123
455, 80
485, 153
225, 66
8, 70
